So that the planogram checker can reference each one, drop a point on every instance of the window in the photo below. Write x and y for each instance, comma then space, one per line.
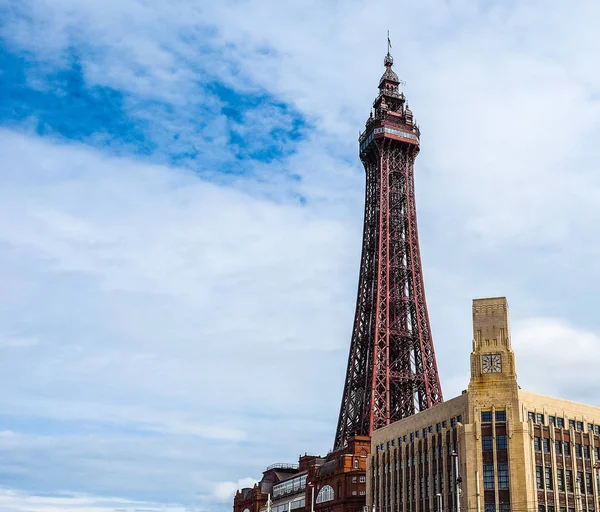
548, 474
546, 443
504, 507
590, 427
487, 443
363, 479
444, 424
588, 483
537, 444
539, 418
551, 420
597, 430
325, 494
560, 479
501, 442
356, 463
490, 507
502, 476
362, 493
596, 453
538, 477
586, 451
531, 416
541, 508
558, 447
580, 425
459, 418
560, 422
500, 415
486, 416
412, 437
488, 476
430, 429
550, 508
353, 479
453, 422
571, 423
577, 450
438, 427
567, 445
569, 480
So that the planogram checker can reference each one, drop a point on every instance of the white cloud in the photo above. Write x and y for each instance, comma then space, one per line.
225, 491
11, 501
558, 359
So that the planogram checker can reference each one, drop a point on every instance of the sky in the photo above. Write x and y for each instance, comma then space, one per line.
181, 209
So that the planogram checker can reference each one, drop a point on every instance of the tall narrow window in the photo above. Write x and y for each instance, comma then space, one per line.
588, 483
501, 442
569, 478
537, 444
560, 479
502, 476
546, 443
487, 444
488, 476
538, 477
558, 447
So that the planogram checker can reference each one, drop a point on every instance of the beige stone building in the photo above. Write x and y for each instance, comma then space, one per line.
514, 450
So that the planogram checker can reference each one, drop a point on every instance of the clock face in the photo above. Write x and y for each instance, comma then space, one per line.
491, 363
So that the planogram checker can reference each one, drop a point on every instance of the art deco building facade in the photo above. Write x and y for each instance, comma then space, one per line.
494, 448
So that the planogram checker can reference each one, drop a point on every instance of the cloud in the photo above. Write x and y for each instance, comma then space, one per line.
540, 346
225, 491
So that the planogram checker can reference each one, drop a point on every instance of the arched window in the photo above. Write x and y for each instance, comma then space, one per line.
246, 510
325, 494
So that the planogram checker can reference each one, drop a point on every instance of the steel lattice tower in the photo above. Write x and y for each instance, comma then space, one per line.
392, 371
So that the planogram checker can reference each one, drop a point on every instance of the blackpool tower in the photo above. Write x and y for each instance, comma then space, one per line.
392, 371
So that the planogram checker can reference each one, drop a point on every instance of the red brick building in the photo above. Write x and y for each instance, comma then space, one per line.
336, 483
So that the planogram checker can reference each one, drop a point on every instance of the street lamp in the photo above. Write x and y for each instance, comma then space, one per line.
458, 480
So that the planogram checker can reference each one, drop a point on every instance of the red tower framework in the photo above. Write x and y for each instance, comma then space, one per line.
392, 371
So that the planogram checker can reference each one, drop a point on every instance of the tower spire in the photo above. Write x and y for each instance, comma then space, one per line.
392, 371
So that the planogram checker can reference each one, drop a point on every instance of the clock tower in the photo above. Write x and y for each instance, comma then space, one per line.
492, 359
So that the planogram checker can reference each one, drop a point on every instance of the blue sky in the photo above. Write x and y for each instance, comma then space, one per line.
180, 223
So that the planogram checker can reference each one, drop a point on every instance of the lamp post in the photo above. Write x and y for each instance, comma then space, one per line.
458, 480
439, 502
